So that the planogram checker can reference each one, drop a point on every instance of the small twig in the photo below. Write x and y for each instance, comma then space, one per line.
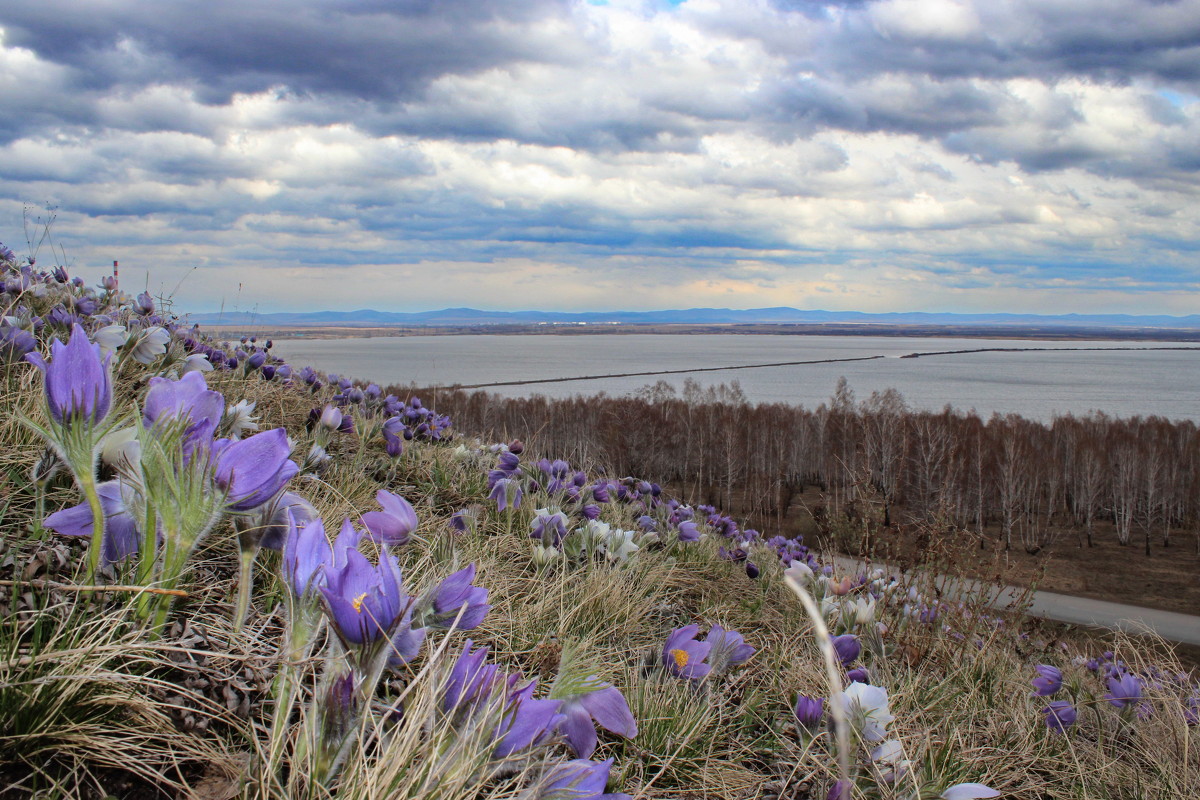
70, 587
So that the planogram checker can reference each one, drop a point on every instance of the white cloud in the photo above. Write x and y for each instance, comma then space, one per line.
895, 155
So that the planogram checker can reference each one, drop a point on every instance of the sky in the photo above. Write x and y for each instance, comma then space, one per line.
1034, 156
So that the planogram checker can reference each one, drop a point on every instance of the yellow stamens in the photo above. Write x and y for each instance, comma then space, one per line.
680, 656
358, 601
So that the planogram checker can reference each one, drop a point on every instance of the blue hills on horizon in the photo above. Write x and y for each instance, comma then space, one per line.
457, 317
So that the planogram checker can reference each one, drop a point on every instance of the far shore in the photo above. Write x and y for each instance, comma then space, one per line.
1017, 332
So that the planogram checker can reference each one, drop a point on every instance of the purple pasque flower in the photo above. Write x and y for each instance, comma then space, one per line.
1060, 715
471, 680
188, 399
77, 382
683, 655
729, 650
527, 720
1048, 681
144, 304
847, 648
306, 554
736, 554
121, 535
270, 522
364, 601
440, 606
60, 317
809, 712
578, 779
1124, 690
840, 790
464, 520
604, 704
557, 472
688, 531
406, 640
507, 493
15, 343
858, 675
330, 417
348, 538
549, 525
394, 523
253, 470
340, 705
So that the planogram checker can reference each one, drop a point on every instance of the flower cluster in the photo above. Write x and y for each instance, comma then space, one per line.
1112, 684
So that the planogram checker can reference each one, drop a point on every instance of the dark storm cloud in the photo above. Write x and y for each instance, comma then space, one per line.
375, 50
1109, 40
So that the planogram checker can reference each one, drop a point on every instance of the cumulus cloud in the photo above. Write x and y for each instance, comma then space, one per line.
888, 155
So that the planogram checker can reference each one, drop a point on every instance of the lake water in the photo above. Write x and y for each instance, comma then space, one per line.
1034, 384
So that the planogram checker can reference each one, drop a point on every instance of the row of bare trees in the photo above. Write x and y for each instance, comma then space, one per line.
1136, 478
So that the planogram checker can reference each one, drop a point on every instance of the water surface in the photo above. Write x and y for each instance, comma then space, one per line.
1040, 384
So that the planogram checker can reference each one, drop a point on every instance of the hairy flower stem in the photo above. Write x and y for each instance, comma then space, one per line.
148, 554
173, 560
87, 485
304, 625
246, 557
39, 510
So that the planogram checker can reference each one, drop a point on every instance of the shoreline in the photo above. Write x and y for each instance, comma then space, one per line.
1015, 332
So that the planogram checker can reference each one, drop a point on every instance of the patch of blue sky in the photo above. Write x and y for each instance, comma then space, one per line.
1178, 99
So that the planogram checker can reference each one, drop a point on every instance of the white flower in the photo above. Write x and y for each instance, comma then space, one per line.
196, 362
238, 419
968, 791
618, 546
151, 344
543, 556
829, 609
121, 450
858, 612
594, 533
800, 572
867, 709
890, 761
110, 337
316, 458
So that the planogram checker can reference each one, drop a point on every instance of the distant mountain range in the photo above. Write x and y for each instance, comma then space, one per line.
695, 316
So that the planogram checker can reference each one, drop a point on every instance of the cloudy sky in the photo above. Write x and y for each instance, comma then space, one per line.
935, 155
